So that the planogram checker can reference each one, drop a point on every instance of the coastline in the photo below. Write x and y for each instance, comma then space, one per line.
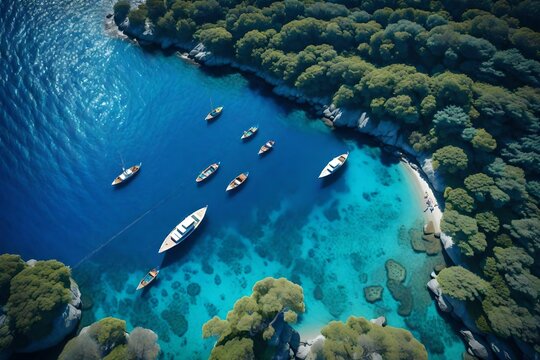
421, 189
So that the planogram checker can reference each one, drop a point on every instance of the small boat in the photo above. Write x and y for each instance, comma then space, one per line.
127, 174
266, 147
148, 278
249, 132
183, 229
239, 180
214, 113
206, 173
334, 165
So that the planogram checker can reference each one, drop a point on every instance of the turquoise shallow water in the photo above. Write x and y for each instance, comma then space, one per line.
73, 99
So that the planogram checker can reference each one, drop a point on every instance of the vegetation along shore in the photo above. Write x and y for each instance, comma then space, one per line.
453, 84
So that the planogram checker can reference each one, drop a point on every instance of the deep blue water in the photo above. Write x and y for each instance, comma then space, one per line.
74, 100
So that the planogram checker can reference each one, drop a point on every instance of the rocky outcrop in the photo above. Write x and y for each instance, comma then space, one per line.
285, 338
381, 321
63, 325
475, 347
434, 287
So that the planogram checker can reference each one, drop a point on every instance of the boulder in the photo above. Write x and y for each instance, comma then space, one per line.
63, 325
451, 249
434, 287
435, 179
475, 348
375, 356
381, 321
429, 228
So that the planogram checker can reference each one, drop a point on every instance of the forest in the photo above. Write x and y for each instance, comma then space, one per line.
459, 77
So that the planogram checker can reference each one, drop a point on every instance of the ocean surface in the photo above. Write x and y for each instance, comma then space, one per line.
76, 102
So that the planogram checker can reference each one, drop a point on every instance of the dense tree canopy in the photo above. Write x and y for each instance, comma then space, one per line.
459, 78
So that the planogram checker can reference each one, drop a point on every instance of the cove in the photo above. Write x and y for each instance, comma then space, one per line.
76, 100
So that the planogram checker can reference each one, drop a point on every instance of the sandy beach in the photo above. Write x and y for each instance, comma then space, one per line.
425, 194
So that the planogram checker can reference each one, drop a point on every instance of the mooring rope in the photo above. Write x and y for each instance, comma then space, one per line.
158, 204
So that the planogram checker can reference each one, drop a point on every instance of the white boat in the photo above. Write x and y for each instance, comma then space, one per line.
214, 114
126, 174
334, 165
237, 181
266, 147
148, 278
183, 229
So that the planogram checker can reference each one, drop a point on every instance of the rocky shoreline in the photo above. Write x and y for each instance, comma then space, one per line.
386, 133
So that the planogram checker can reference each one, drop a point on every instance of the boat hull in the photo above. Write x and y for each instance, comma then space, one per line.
202, 176
123, 179
218, 111
143, 283
170, 242
266, 147
329, 169
233, 185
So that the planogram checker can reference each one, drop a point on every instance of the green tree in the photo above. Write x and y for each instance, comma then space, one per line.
137, 17
488, 221
37, 294
108, 331
358, 338
121, 10
484, 141
81, 347
216, 39
458, 199
451, 120
241, 349
514, 262
156, 9
461, 284
450, 159
10, 265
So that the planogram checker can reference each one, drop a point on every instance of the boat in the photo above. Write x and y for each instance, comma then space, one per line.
334, 165
239, 180
183, 229
266, 147
126, 174
148, 278
214, 114
249, 132
206, 173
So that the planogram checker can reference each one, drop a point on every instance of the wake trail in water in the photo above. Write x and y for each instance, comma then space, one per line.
124, 229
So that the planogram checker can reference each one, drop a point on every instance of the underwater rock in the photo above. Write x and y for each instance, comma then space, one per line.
217, 279
357, 261
247, 269
401, 294
363, 277
395, 271
211, 309
194, 289
318, 293
431, 244
175, 285
164, 293
176, 296
177, 322
336, 300
332, 212
373, 293
207, 268
154, 301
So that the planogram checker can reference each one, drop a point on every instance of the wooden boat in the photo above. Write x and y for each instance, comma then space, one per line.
148, 278
206, 173
183, 229
266, 147
239, 180
250, 132
214, 114
127, 174
334, 165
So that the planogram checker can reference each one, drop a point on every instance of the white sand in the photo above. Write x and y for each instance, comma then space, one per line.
423, 188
